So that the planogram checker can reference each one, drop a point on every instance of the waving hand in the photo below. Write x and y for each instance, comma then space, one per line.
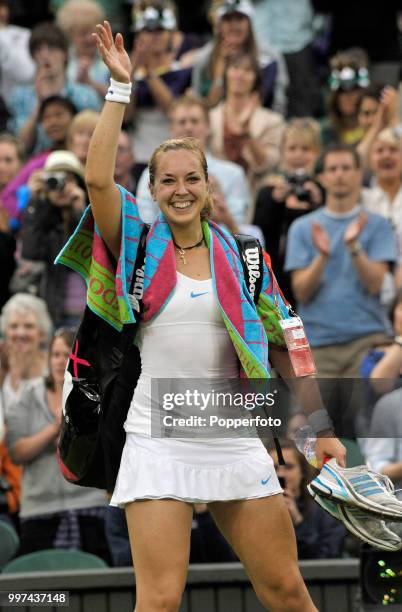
113, 53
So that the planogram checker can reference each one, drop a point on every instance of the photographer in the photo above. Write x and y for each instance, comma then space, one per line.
290, 194
58, 200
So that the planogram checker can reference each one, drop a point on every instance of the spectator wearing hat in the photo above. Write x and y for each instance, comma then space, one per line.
54, 115
158, 79
233, 33
49, 49
53, 210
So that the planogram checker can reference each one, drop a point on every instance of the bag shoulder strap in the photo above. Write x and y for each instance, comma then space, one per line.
251, 256
135, 292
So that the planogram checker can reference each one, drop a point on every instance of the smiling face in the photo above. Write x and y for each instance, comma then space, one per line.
386, 161
22, 332
180, 187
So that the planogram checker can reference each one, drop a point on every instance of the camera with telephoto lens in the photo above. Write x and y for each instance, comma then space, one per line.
297, 181
4, 487
54, 181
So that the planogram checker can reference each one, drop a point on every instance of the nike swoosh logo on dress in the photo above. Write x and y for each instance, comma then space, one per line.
195, 295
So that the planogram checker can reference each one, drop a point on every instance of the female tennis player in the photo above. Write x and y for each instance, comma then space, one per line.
198, 321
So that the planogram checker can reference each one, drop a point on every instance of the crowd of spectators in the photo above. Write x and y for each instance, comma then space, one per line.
297, 105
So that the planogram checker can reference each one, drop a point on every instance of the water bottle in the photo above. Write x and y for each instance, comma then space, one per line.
306, 440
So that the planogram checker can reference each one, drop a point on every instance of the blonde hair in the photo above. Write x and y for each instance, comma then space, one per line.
187, 144
75, 13
87, 118
306, 129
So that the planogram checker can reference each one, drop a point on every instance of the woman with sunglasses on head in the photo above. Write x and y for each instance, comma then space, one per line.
192, 320
53, 512
349, 76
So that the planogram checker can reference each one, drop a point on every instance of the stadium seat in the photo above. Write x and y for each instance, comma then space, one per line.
50, 560
9, 542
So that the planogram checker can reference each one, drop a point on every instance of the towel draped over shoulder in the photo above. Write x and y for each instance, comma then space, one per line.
250, 327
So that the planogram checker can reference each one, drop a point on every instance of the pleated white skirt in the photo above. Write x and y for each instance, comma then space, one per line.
196, 471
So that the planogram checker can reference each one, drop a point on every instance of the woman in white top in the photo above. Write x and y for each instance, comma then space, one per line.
160, 478
26, 327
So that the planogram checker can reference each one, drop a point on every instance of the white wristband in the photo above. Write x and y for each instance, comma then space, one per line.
320, 420
118, 92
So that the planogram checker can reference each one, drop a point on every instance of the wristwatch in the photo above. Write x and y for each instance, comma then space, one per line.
398, 340
356, 249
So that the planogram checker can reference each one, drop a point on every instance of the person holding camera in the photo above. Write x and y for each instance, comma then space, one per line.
290, 194
57, 202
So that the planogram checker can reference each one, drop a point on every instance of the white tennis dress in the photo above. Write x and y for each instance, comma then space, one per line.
188, 339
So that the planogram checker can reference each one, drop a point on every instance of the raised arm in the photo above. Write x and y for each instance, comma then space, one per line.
104, 195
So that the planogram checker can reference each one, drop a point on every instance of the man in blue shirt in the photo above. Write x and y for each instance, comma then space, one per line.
338, 256
49, 49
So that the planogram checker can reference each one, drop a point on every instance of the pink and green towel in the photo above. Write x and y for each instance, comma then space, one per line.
250, 328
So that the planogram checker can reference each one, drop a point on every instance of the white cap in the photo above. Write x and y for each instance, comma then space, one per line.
64, 161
